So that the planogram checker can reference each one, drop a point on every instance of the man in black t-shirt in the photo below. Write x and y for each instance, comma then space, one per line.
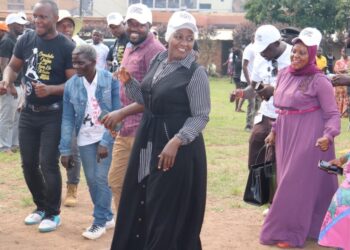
9, 101
116, 51
46, 58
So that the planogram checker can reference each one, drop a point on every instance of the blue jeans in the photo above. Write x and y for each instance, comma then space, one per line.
39, 136
96, 175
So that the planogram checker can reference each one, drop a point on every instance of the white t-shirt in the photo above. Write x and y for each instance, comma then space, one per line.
91, 130
262, 70
249, 55
102, 52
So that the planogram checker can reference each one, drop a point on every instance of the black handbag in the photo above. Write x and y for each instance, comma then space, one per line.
261, 183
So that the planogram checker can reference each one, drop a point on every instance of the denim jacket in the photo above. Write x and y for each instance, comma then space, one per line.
74, 105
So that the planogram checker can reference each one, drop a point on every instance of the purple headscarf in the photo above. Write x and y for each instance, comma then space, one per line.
310, 68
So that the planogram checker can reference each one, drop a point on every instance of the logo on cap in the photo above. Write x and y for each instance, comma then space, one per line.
307, 33
259, 38
136, 10
184, 15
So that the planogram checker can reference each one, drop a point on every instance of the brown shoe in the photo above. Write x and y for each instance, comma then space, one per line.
71, 196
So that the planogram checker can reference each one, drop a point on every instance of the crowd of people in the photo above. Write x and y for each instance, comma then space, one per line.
136, 128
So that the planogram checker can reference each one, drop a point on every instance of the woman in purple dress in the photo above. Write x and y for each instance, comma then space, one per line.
303, 134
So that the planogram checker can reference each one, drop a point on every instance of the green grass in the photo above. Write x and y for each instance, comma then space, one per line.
226, 144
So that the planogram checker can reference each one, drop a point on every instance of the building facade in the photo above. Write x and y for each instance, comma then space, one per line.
27, 5
100, 8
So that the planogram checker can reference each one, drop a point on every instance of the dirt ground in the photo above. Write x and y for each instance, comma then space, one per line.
225, 227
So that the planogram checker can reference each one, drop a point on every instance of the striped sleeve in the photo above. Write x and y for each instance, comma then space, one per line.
133, 91
199, 97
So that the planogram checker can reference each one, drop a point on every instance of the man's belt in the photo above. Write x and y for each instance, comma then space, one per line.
44, 108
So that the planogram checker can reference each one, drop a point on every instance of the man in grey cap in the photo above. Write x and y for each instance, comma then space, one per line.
116, 51
9, 102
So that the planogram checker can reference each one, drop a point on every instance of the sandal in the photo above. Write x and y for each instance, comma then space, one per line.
284, 245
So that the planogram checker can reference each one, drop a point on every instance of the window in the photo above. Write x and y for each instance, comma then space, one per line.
173, 4
189, 4
149, 3
134, 1
205, 6
16, 5
160, 3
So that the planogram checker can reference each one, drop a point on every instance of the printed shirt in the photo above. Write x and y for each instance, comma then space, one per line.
91, 131
136, 60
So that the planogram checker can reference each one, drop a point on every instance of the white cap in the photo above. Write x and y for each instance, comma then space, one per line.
181, 20
78, 22
264, 36
22, 15
114, 18
309, 37
140, 13
15, 18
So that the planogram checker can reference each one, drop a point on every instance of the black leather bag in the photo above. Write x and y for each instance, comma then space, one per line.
261, 183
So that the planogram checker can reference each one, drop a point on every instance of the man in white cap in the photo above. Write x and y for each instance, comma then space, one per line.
116, 51
272, 54
69, 26
9, 114
141, 49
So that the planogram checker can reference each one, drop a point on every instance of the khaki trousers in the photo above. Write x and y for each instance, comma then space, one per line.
120, 158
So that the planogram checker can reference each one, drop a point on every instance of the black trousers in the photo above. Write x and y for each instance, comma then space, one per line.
257, 140
39, 137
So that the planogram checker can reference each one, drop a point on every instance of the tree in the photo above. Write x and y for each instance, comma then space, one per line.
207, 45
326, 15
242, 34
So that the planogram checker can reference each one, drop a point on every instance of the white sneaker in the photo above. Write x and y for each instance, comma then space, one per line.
94, 232
50, 223
110, 224
34, 218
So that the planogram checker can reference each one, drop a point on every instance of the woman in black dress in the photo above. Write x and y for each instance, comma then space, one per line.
163, 199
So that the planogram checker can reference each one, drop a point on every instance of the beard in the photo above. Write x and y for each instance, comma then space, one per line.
138, 41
